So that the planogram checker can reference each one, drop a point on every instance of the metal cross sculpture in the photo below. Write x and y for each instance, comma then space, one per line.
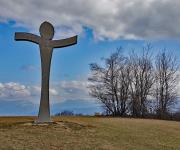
46, 45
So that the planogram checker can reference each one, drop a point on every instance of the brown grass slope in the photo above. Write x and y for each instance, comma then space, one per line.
89, 133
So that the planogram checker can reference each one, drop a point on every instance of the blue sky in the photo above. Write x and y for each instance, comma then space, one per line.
101, 28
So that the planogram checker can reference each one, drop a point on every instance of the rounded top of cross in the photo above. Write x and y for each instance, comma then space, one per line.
46, 30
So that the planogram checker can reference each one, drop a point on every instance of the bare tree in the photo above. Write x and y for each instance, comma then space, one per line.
141, 82
110, 84
135, 85
124, 87
166, 76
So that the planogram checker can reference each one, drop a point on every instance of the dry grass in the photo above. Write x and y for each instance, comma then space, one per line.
93, 133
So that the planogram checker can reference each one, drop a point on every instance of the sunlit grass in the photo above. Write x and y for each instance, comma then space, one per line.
89, 133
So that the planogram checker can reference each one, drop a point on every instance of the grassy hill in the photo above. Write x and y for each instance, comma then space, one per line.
93, 133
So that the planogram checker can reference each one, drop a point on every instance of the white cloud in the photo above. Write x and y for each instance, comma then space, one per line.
109, 19
30, 68
61, 91
14, 91
73, 90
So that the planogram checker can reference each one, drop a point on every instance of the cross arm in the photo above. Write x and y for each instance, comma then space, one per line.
22, 36
64, 42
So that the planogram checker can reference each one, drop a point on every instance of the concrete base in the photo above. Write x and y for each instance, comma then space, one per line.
43, 122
